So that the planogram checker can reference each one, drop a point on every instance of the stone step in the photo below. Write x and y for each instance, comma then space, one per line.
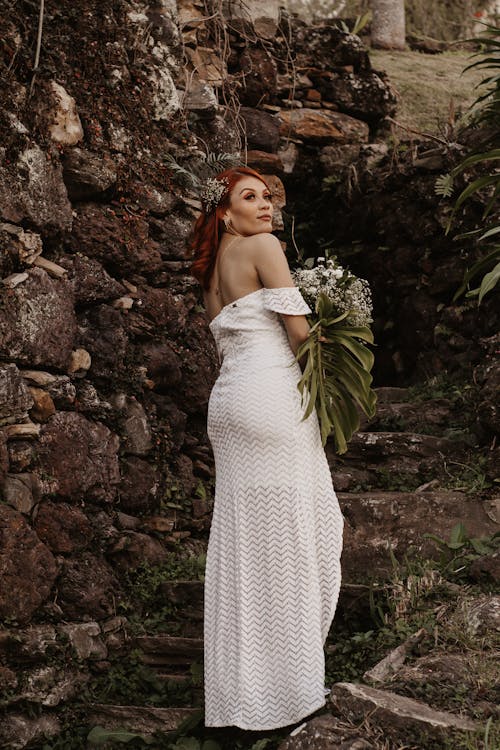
425, 417
394, 460
397, 715
379, 521
144, 719
168, 650
187, 595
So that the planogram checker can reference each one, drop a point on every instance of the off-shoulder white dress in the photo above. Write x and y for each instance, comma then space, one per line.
273, 564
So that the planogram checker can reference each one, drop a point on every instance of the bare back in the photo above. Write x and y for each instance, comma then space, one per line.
235, 275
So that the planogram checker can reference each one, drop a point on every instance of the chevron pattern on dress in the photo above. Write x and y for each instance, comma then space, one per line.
273, 564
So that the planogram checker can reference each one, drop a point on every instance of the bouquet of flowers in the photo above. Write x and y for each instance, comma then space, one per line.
338, 363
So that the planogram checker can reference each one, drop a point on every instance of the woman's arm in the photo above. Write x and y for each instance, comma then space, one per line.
272, 266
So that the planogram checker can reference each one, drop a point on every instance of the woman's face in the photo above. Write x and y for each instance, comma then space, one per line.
250, 208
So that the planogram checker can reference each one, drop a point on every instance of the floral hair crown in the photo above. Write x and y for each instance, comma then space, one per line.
212, 192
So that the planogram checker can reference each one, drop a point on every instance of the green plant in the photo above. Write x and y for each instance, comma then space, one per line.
337, 373
460, 550
485, 113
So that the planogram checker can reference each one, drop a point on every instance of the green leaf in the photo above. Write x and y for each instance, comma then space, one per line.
489, 282
98, 736
458, 533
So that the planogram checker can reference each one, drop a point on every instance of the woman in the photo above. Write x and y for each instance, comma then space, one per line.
273, 563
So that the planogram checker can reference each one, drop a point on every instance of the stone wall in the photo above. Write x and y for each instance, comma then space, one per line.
105, 360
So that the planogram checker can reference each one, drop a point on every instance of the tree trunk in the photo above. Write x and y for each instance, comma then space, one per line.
388, 24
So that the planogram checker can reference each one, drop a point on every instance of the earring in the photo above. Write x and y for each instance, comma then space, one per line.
227, 223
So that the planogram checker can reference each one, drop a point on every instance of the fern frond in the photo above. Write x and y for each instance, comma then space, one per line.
444, 185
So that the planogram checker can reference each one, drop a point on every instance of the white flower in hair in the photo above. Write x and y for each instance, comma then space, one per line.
212, 192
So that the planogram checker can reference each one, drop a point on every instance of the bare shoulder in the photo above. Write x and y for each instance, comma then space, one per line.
263, 244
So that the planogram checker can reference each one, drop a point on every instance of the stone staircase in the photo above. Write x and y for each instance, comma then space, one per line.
394, 444
393, 486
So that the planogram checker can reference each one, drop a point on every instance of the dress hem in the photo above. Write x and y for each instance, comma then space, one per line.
267, 727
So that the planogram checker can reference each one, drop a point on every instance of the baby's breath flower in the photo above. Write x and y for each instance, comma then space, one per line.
212, 192
343, 288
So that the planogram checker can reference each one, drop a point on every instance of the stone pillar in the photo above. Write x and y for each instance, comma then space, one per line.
388, 24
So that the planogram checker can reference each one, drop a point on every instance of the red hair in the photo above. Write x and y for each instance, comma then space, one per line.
210, 226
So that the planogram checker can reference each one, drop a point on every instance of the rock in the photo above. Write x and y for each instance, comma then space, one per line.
322, 126
66, 127
33, 191
334, 159
138, 718
200, 98
38, 326
27, 568
325, 732
165, 100
49, 686
60, 388
85, 638
123, 303
208, 64
34, 644
122, 247
261, 130
18, 731
163, 365
261, 16
89, 402
22, 246
90, 282
14, 280
25, 430
259, 76
279, 199
376, 521
15, 398
365, 96
53, 269
264, 162
8, 680
20, 455
133, 549
87, 588
386, 667
138, 487
104, 337
79, 362
43, 406
330, 48
221, 135
136, 429
87, 175
483, 615
172, 235
21, 491
80, 456
63, 528
400, 717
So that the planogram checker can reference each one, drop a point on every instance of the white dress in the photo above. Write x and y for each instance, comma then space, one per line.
273, 563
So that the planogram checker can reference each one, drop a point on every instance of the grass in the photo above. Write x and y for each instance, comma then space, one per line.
429, 87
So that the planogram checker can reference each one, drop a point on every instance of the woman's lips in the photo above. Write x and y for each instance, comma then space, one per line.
265, 218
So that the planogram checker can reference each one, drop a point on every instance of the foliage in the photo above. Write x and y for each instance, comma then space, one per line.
201, 167
485, 113
337, 376
460, 550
